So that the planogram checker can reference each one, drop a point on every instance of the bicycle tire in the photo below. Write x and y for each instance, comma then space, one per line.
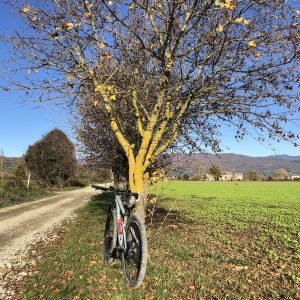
110, 235
137, 250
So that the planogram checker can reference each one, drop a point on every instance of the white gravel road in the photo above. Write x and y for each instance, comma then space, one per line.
22, 224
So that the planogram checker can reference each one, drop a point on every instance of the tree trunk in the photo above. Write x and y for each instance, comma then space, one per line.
140, 206
138, 186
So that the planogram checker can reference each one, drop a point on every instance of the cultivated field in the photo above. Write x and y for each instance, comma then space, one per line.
207, 240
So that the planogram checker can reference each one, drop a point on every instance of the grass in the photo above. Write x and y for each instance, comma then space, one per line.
220, 240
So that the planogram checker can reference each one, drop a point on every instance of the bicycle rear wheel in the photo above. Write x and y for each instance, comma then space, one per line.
135, 258
110, 235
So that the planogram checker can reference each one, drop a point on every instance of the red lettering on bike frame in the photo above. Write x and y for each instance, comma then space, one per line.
120, 225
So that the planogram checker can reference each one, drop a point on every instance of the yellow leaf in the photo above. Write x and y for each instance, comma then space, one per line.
229, 5
131, 6
70, 77
90, 5
252, 43
113, 97
35, 70
238, 20
110, 2
220, 28
28, 71
168, 54
26, 9
246, 21
279, 36
69, 25
101, 45
99, 88
95, 102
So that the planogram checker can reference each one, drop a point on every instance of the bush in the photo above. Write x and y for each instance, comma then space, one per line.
52, 159
14, 192
77, 183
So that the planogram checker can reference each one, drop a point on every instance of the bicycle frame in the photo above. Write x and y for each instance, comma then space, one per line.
121, 222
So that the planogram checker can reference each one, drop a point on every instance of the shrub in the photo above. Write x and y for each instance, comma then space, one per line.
52, 159
15, 191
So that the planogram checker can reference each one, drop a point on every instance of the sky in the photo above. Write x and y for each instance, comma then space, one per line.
21, 124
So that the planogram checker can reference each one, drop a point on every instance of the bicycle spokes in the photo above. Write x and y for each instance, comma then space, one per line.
132, 256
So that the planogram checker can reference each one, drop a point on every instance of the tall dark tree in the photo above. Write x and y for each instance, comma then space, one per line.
52, 159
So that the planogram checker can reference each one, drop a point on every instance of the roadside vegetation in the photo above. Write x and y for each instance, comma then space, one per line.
52, 167
15, 192
207, 240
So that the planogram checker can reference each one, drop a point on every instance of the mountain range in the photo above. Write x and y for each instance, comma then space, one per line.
185, 163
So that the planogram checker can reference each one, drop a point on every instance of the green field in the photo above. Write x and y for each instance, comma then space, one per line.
207, 240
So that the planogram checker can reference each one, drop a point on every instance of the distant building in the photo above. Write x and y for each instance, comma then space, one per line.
293, 176
226, 176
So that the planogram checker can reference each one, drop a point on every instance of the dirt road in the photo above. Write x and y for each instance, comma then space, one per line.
22, 224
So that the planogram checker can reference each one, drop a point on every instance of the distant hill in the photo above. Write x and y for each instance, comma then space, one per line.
184, 163
238, 163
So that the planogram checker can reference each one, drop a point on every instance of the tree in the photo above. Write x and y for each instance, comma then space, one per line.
251, 175
185, 177
52, 159
165, 72
20, 171
281, 174
198, 171
215, 171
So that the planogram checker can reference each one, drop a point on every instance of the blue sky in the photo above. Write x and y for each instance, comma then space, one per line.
21, 124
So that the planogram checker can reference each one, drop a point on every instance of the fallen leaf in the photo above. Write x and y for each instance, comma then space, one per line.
246, 21
240, 268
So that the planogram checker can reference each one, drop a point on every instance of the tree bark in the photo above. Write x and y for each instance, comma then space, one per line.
138, 186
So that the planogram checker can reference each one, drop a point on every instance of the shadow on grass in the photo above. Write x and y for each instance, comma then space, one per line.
98, 204
167, 217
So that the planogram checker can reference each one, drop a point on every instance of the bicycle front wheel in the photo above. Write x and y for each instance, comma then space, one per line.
135, 257
110, 235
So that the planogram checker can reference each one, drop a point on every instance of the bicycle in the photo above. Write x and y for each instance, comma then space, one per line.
125, 236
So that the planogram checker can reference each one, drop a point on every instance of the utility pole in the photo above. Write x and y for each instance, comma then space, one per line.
1, 164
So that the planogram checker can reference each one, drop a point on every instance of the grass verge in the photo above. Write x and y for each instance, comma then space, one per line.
219, 241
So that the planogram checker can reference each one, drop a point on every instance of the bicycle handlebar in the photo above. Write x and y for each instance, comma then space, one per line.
112, 189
